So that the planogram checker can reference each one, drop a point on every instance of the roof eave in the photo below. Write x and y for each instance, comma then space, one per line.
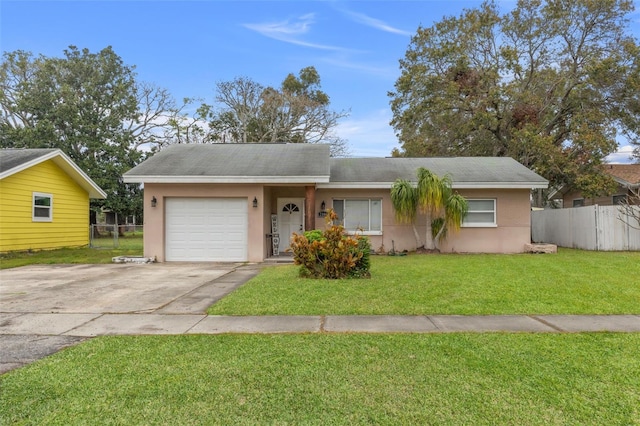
626, 183
455, 185
224, 179
66, 164
501, 185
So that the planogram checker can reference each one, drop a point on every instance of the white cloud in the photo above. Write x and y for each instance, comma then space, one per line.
284, 28
375, 23
290, 32
622, 156
369, 136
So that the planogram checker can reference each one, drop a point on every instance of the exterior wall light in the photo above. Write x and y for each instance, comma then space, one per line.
255, 202
154, 201
323, 209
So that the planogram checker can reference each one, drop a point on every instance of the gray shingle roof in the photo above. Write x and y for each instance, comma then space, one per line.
12, 158
244, 162
464, 171
297, 163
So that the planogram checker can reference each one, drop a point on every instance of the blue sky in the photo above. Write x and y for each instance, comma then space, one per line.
188, 46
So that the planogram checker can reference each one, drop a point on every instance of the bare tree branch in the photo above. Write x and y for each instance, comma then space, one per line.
629, 209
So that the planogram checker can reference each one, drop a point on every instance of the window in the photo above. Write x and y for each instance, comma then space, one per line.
482, 213
619, 199
42, 207
578, 202
360, 215
290, 208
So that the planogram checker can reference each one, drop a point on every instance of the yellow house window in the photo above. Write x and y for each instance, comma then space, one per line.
42, 207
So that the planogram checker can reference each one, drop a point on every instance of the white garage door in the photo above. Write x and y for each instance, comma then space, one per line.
206, 229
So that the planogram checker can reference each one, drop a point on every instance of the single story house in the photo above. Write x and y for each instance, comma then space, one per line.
626, 176
44, 200
242, 202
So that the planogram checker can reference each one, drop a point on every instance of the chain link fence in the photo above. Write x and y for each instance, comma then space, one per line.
107, 236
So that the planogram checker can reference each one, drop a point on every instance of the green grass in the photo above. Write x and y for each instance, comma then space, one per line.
446, 379
128, 246
571, 282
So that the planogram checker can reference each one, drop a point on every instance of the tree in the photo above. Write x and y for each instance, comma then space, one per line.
296, 112
433, 196
547, 84
90, 106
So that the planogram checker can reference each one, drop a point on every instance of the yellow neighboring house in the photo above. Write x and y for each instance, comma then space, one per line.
44, 200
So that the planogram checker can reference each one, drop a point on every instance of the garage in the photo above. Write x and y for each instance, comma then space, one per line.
206, 229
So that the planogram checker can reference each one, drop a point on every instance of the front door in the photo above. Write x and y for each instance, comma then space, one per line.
290, 219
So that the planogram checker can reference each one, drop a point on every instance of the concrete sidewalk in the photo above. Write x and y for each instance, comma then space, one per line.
27, 334
90, 325
25, 338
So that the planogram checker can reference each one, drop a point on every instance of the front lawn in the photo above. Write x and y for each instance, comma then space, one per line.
478, 379
128, 246
570, 282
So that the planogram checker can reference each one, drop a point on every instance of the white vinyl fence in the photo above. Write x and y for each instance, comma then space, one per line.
588, 228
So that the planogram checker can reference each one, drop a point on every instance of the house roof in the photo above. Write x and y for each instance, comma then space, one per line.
310, 163
13, 161
465, 172
235, 163
625, 174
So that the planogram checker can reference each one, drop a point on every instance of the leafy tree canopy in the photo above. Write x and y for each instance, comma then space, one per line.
551, 84
90, 106
297, 112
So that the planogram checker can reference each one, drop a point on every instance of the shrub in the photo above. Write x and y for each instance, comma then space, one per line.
363, 266
331, 253
314, 235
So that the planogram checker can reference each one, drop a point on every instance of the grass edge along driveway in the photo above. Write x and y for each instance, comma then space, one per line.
570, 282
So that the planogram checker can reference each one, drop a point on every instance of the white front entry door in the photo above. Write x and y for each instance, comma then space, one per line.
290, 219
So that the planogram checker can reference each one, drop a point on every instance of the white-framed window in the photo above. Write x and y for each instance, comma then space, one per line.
578, 202
42, 207
360, 215
482, 213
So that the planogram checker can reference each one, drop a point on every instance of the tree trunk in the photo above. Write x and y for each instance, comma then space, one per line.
416, 235
436, 239
429, 243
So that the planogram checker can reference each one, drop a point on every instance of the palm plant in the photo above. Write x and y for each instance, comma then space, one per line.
434, 197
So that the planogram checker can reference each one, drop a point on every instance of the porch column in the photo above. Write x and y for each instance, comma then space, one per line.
310, 208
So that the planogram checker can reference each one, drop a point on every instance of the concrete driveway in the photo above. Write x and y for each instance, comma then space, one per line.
39, 303
112, 288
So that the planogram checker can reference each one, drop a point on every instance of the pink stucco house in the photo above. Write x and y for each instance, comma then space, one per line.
227, 202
